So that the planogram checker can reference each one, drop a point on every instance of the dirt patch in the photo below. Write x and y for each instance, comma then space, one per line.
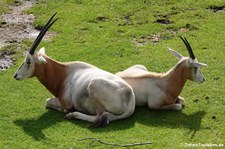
99, 19
163, 21
15, 26
217, 8
126, 19
6, 59
129, 19
162, 18
188, 27
180, 30
102, 19
154, 38
157, 37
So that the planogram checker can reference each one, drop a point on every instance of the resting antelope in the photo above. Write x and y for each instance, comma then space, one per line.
160, 91
94, 95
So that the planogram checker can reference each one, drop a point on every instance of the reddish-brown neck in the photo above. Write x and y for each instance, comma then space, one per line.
52, 75
176, 79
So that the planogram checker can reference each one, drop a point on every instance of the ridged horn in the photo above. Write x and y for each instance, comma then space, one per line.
188, 46
42, 33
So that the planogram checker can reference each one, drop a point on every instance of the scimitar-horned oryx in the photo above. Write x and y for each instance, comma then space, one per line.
96, 95
160, 91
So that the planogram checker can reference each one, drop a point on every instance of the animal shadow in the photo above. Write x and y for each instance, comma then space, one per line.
34, 127
171, 119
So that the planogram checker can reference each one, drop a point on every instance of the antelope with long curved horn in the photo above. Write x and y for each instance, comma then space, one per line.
160, 91
93, 94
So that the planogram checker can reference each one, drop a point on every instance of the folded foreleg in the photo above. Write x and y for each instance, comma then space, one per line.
53, 103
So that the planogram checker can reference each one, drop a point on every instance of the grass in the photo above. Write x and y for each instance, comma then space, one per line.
103, 33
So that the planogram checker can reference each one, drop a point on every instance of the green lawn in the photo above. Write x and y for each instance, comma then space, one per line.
114, 35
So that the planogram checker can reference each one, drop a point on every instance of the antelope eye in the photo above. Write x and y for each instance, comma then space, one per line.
28, 62
195, 69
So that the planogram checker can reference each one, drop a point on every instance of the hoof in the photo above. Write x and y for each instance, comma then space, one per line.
179, 107
102, 122
69, 116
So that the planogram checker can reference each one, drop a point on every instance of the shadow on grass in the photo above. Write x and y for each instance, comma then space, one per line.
34, 127
142, 115
167, 119
170, 119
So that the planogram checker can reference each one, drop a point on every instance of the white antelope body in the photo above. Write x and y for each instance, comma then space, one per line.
160, 91
93, 94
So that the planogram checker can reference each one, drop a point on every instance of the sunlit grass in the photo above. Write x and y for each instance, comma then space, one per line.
103, 33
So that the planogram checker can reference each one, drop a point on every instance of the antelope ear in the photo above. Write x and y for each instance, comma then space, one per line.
175, 53
41, 59
42, 50
199, 65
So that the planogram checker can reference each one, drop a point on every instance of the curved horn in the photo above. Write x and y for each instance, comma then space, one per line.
188, 46
42, 33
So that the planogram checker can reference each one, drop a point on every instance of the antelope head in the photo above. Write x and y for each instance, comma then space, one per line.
190, 62
28, 66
